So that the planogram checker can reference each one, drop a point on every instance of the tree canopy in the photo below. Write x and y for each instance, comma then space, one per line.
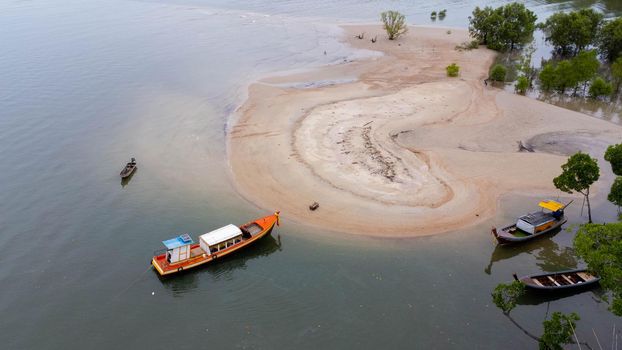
614, 156
394, 23
578, 174
558, 331
505, 296
615, 195
616, 73
570, 74
600, 246
504, 27
610, 41
572, 32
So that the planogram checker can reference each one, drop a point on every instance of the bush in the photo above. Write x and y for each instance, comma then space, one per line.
442, 14
453, 70
468, 45
394, 23
498, 72
522, 84
600, 88
433, 14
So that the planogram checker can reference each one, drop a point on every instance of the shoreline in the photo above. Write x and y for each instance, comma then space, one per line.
393, 147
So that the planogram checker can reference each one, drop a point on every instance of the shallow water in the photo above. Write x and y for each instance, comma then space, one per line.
86, 85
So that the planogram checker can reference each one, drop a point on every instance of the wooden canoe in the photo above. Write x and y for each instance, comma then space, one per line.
129, 169
255, 229
559, 281
512, 234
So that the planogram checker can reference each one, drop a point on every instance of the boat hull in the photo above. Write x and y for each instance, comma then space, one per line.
127, 171
164, 268
588, 281
504, 236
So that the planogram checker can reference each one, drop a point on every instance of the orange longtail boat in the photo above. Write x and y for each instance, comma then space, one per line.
182, 253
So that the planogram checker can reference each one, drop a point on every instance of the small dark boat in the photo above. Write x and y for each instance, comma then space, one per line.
533, 225
129, 169
558, 281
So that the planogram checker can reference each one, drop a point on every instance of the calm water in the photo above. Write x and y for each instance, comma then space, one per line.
87, 84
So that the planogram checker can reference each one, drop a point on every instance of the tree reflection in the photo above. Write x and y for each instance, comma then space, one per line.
550, 256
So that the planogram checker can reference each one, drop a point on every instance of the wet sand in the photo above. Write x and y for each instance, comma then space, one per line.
392, 147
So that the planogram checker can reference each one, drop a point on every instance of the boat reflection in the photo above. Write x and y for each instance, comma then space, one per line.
126, 180
189, 280
597, 294
551, 257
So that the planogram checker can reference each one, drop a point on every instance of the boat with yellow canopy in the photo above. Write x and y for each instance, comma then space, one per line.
534, 224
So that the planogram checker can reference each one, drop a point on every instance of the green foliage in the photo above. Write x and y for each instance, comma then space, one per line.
569, 74
610, 41
394, 23
615, 194
442, 14
614, 156
600, 246
522, 84
585, 66
502, 28
498, 72
453, 70
558, 331
616, 72
565, 76
505, 296
433, 15
571, 32
578, 174
548, 77
600, 88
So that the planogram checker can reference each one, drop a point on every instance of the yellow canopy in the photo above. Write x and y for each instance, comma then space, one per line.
551, 205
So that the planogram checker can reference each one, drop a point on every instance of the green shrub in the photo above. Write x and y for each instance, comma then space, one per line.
600, 88
442, 14
522, 84
498, 72
433, 14
453, 70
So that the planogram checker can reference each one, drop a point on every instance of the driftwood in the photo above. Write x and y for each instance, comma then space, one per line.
314, 206
522, 147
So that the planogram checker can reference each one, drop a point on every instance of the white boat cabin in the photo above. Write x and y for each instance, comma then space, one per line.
178, 248
540, 220
220, 239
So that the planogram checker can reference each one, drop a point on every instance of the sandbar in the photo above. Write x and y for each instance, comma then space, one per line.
390, 146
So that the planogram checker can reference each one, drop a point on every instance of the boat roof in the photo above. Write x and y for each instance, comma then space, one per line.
536, 219
551, 205
220, 235
178, 241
